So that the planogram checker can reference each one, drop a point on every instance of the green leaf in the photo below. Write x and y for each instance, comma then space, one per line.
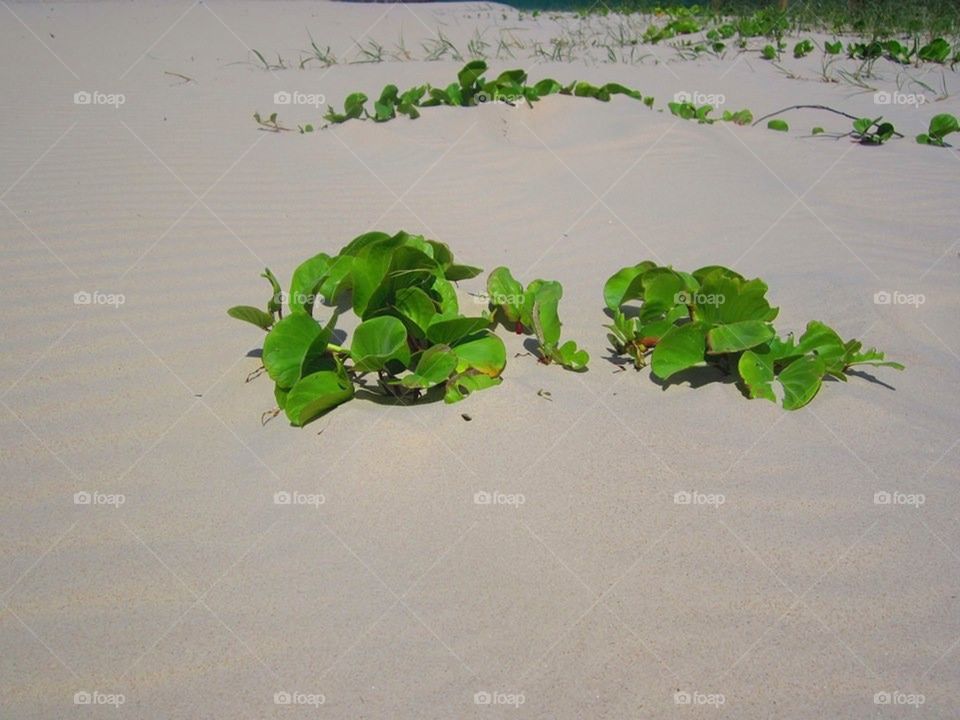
378, 341
370, 267
624, 285
546, 320
801, 381
779, 125
682, 347
335, 280
460, 386
315, 394
547, 86
756, 372
506, 294
942, 125
572, 357
304, 282
455, 273
486, 355
286, 345
252, 315
727, 299
275, 303
472, 72
450, 331
447, 295
733, 337
416, 307
436, 364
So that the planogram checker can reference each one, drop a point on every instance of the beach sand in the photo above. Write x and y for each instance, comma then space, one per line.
185, 589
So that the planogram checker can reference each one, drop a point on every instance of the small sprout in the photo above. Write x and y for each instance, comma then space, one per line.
778, 125
872, 132
940, 126
270, 124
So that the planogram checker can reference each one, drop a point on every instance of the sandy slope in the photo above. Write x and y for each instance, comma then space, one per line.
399, 597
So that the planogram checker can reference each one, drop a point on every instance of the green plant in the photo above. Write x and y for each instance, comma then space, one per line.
269, 66
411, 338
940, 126
740, 117
472, 88
833, 48
936, 51
716, 317
689, 111
779, 125
271, 123
872, 132
802, 48
534, 309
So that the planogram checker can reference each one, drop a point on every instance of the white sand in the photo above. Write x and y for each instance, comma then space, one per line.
399, 597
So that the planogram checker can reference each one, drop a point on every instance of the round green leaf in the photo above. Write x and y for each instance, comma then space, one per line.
315, 394
378, 341
486, 355
286, 345
436, 364
681, 348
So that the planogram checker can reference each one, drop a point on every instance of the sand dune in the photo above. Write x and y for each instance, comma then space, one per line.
398, 596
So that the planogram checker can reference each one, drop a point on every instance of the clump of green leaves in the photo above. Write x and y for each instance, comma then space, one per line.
472, 88
803, 48
534, 309
689, 111
833, 48
937, 50
271, 123
412, 339
716, 317
740, 117
940, 126
872, 132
